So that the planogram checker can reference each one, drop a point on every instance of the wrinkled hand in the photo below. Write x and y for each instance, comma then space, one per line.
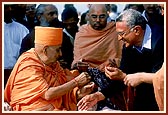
114, 73
85, 90
87, 102
132, 80
82, 79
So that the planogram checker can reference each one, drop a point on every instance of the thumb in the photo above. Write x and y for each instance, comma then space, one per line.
89, 85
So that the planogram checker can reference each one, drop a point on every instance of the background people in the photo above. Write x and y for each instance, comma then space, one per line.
70, 21
47, 16
113, 12
14, 32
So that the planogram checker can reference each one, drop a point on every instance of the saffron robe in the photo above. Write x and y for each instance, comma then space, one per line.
30, 79
96, 47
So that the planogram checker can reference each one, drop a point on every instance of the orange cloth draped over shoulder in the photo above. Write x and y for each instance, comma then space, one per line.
96, 47
158, 84
30, 79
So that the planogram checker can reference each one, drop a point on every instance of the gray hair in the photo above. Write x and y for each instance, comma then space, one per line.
132, 18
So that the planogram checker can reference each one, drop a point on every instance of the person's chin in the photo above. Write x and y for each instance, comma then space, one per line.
54, 61
97, 28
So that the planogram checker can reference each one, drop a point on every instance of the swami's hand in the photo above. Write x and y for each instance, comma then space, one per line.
89, 101
114, 73
82, 79
85, 90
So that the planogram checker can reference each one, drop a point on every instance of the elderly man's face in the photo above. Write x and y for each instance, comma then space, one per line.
126, 34
50, 13
98, 17
53, 53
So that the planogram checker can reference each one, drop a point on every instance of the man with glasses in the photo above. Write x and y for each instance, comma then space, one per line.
121, 35
143, 51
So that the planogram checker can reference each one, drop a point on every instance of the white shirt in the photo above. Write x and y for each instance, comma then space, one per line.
13, 34
143, 14
70, 37
147, 38
113, 15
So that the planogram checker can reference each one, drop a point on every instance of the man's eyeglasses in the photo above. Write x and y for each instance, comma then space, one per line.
122, 34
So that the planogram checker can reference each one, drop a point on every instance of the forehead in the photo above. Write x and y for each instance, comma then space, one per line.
150, 5
69, 20
121, 26
98, 9
162, 5
30, 5
55, 47
50, 8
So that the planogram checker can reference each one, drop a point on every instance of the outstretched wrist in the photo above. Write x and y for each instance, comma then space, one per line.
76, 82
123, 75
99, 96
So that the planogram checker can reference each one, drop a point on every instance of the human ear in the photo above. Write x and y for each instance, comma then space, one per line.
45, 50
137, 30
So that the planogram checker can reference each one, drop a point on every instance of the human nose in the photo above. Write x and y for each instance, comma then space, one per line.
97, 19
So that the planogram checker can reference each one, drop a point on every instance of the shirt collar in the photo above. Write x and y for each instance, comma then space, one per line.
143, 14
67, 33
147, 39
9, 23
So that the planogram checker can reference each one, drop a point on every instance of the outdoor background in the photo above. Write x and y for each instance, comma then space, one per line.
82, 7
